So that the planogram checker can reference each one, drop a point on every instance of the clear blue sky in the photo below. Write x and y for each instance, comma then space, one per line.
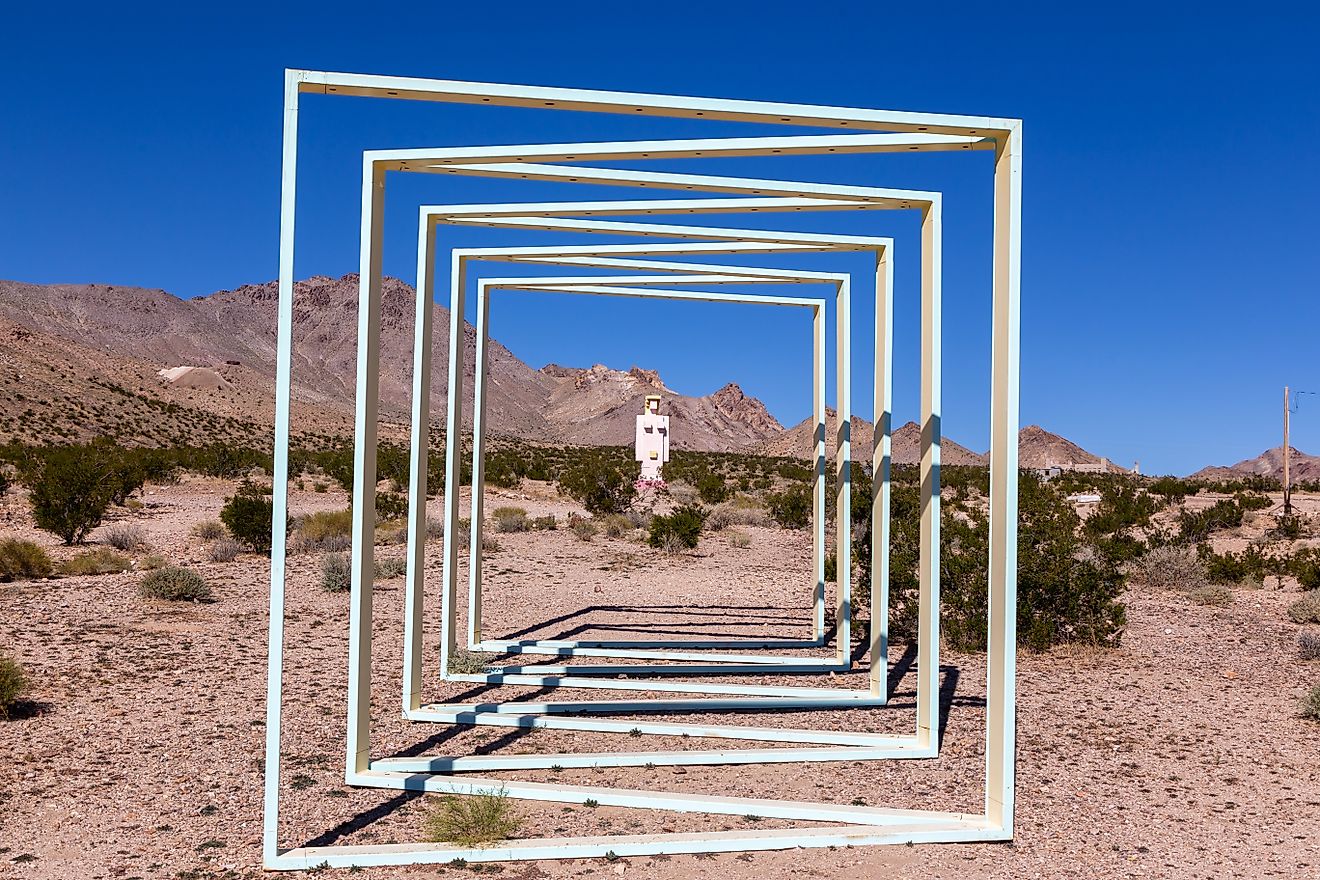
1170, 257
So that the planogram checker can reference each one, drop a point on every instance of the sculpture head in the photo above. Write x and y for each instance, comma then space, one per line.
652, 404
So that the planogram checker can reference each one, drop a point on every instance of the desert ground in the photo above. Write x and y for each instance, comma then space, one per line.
1179, 754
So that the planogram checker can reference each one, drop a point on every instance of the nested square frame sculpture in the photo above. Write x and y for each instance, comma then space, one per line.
906, 131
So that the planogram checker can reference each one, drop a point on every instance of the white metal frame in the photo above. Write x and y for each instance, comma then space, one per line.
907, 131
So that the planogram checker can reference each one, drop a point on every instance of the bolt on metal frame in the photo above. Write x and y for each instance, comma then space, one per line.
866, 825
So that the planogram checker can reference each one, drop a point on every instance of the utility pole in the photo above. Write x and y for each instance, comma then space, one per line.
1287, 491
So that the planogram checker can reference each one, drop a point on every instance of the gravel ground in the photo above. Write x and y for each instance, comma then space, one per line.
1180, 754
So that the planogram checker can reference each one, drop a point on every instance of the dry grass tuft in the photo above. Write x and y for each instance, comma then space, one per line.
102, 560
474, 820
23, 560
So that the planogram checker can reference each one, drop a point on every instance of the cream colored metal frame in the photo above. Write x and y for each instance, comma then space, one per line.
906, 131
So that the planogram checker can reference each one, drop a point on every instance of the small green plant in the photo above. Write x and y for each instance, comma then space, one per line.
1211, 594
635, 732
583, 528
683, 525
511, 519
591, 803
391, 567
556, 768
174, 583
126, 536
22, 560
12, 685
614, 525
611, 856
711, 487
224, 550
101, 560
465, 662
738, 539
336, 576
1310, 705
545, 523
1308, 644
599, 486
1306, 609
791, 509
325, 530
151, 562
247, 514
473, 821
210, 530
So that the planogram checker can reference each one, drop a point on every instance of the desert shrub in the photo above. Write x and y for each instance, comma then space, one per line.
1306, 609
545, 523
210, 530
599, 486
1290, 527
740, 540
22, 560
12, 685
394, 531
1305, 566
510, 519
1310, 704
791, 508
391, 505
325, 531
391, 567
336, 576
1224, 514
583, 528
151, 562
683, 524
463, 535
1171, 567
174, 583
101, 560
741, 511
1308, 644
224, 550
465, 662
640, 519
711, 487
473, 821
1211, 594
614, 525
1172, 489
70, 488
248, 514
1067, 593
126, 536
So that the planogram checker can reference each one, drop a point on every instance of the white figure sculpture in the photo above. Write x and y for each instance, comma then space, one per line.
652, 439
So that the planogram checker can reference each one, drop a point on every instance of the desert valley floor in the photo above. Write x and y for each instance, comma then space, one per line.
1179, 754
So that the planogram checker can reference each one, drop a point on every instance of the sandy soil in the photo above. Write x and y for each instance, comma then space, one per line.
1179, 754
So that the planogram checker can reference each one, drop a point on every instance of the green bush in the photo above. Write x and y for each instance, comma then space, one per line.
101, 560
511, 519
12, 685
1306, 609
174, 583
336, 574
1310, 704
599, 486
711, 487
683, 525
583, 528
22, 560
476, 820
1211, 594
615, 525
210, 530
70, 488
248, 514
791, 508
326, 530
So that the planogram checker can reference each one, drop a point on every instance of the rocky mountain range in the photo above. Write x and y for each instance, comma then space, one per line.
142, 365
83, 359
1301, 466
